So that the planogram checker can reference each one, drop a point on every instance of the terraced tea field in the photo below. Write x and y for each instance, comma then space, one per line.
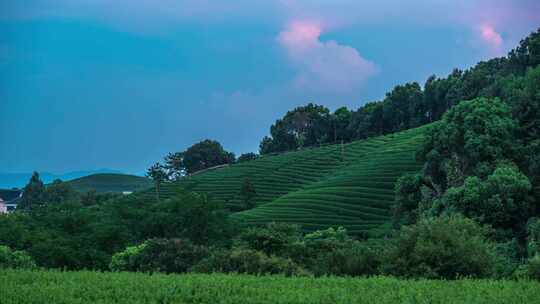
350, 185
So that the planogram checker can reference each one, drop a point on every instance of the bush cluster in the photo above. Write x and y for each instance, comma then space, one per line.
15, 259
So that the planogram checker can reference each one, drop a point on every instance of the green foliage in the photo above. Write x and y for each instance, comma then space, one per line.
129, 259
73, 236
159, 255
174, 165
248, 194
157, 173
15, 259
527, 54
33, 193
326, 240
205, 154
248, 261
471, 139
274, 239
533, 268
501, 200
247, 157
302, 127
533, 237
355, 259
444, 247
408, 196
22, 287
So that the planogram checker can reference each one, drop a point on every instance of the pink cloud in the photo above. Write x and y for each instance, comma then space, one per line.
323, 65
300, 36
490, 35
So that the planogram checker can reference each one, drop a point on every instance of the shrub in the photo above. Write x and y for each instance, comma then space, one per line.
533, 236
15, 258
128, 259
446, 247
357, 259
533, 268
159, 255
247, 261
274, 239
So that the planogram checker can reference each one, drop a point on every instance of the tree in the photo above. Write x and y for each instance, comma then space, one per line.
206, 154
340, 121
247, 194
523, 96
247, 157
59, 192
273, 239
158, 175
502, 200
159, 255
408, 195
33, 193
471, 139
302, 127
527, 54
447, 247
402, 107
15, 259
174, 166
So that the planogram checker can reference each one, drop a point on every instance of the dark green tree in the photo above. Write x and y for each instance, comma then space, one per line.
447, 247
302, 127
472, 138
59, 192
340, 121
247, 194
157, 173
502, 200
247, 157
174, 166
206, 154
33, 193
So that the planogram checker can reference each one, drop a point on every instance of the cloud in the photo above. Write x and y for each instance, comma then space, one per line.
490, 36
323, 65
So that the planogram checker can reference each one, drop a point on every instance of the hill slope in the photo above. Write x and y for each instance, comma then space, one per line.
350, 185
110, 182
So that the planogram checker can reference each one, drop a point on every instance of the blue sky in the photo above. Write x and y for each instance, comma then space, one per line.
118, 84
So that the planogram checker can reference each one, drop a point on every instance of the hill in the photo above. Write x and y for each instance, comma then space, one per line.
350, 185
110, 182
19, 180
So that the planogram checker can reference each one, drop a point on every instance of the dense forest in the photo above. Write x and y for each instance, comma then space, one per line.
472, 210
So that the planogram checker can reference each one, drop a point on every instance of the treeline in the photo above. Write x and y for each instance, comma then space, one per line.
406, 106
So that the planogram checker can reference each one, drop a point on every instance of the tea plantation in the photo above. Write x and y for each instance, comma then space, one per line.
350, 185
18, 286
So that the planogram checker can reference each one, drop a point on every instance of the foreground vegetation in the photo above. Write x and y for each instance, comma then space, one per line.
84, 287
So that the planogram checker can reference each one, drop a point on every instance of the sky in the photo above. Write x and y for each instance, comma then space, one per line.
90, 84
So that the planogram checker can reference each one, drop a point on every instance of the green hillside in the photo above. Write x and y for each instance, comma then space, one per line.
350, 185
110, 182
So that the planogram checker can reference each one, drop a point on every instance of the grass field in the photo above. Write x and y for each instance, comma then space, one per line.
23, 287
350, 185
110, 182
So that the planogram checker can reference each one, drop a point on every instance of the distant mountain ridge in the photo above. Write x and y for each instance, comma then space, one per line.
111, 183
19, 180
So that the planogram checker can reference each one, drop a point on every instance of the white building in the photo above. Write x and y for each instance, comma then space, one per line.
3, 206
